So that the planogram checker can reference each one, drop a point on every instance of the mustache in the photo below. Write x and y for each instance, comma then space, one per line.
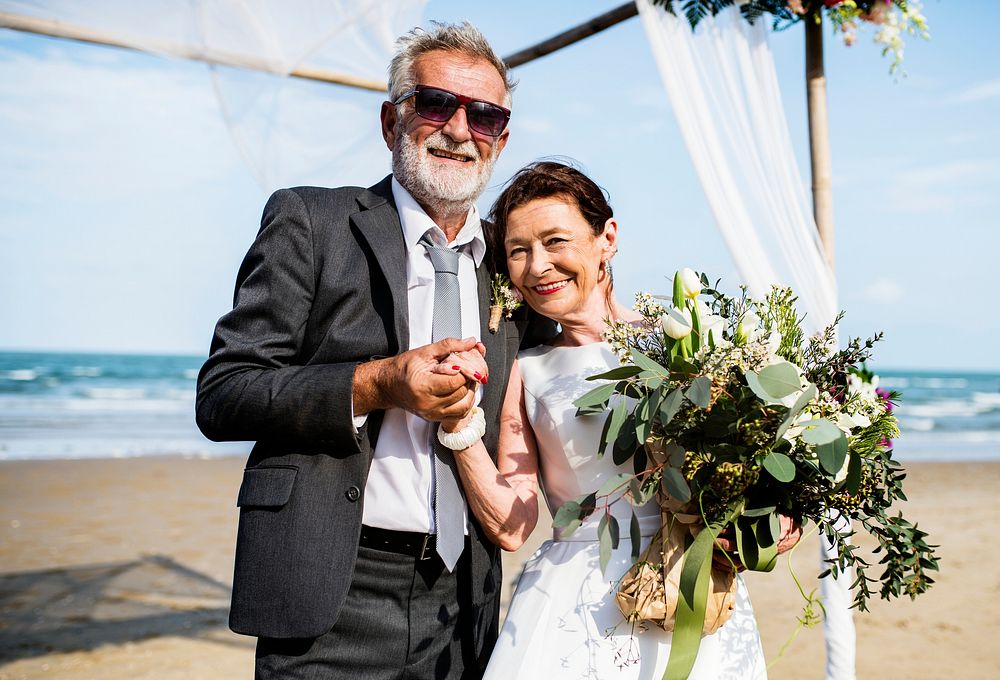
439, 140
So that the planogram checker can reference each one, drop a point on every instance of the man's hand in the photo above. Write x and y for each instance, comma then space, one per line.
408, 381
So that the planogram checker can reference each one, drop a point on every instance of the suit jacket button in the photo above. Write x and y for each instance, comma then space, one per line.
353, 493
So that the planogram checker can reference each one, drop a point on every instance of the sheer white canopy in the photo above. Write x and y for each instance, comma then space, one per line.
288, 131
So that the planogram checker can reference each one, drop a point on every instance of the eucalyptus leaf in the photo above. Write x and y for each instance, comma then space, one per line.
832, 454
807, 396
619, 373
780, 466
780, 379
676, 485
640, 460
607, 537
670, 406
647, 364
595, 397
820, 431
854, 474
685, 368
753, 382
643, 421
700, 392
635, 534
614, 426
675, 454
567, 512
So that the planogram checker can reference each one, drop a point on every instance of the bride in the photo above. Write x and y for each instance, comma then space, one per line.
559, 237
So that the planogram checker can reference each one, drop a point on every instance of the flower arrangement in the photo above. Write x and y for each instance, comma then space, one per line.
894, 18
732, 417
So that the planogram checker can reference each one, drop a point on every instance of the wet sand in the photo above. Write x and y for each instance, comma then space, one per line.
121, 568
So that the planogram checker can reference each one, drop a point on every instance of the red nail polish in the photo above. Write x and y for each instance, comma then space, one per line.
478, 375
485, 379
456, 368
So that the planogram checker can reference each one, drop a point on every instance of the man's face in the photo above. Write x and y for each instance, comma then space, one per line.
445, 164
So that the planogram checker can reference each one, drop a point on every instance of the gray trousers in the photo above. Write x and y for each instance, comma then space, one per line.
403, 619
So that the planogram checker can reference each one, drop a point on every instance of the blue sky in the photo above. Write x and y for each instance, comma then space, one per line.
126, 206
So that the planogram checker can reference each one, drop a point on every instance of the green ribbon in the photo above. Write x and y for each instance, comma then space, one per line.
756, 541
692, 600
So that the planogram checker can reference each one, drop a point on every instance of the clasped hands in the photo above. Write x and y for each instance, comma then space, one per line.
438, 382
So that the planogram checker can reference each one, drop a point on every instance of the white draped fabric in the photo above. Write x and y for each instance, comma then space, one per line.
723, 89
289, 131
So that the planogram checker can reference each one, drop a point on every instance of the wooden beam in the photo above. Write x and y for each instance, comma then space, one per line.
59, 29
819, 135
575, 34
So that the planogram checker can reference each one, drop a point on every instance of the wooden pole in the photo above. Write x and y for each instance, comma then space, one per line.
575, 34
819, 135
59, 29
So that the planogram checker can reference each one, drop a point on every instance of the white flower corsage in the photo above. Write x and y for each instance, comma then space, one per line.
504, 299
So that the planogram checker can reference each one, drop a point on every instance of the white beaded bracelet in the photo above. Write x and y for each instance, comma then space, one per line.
467, 436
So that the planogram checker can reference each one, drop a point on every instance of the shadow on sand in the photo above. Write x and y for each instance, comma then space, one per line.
81, 608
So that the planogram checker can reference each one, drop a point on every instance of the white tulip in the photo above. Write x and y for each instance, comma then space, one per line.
710, 322
690, 283
677, 323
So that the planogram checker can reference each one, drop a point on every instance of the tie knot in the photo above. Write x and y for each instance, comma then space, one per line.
445, 260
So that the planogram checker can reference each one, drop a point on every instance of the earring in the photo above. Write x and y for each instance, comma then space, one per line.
607, 268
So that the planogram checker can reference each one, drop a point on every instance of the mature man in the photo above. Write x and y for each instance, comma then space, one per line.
356, 555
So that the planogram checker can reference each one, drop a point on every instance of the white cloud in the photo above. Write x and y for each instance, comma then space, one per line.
942, 187
989, 89
884, 291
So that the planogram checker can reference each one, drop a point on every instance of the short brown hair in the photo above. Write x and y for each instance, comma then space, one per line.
546, 179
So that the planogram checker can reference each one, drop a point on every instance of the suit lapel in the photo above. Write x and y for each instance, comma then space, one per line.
496, 343
378, 224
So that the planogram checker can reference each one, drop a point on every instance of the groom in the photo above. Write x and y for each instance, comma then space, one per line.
348, 564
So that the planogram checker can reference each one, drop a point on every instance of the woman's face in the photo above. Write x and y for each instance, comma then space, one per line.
554, 259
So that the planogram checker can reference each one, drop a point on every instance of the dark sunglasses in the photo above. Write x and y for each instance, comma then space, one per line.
435, 104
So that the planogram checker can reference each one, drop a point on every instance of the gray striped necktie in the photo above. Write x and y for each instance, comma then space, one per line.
449, 505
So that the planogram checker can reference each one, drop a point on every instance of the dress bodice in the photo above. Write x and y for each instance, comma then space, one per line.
569, 464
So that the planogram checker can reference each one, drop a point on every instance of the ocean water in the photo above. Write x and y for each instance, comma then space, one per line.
115, 405
101, 406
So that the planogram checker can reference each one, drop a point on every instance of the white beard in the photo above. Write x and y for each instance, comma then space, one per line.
446, 190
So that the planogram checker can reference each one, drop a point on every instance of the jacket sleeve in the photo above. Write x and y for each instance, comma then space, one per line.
254, 385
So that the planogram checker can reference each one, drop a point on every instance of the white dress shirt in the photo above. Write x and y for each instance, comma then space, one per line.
399, 494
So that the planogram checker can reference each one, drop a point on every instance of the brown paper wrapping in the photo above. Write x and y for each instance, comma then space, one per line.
649, 590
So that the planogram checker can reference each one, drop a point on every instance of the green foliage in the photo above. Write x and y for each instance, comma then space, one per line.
711, 429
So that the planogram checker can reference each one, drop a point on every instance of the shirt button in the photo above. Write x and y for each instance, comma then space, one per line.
353, 493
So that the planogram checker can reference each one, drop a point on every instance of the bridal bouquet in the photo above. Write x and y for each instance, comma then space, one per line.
732, 417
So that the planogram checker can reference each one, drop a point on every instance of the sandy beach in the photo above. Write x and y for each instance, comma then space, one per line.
121, 568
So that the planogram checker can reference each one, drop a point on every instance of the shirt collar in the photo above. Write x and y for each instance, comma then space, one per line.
416, 222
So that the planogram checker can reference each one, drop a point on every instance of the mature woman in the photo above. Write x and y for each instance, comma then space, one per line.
560, 236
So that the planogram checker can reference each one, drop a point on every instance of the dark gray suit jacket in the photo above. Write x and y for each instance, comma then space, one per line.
322, 289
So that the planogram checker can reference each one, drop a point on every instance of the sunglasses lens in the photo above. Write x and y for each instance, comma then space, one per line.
435, 105
486, 118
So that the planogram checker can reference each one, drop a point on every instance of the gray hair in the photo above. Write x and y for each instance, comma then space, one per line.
463, 38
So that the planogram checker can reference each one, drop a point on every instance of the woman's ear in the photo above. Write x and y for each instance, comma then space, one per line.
610, 239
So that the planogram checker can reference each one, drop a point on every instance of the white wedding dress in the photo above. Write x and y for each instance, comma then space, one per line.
563, 621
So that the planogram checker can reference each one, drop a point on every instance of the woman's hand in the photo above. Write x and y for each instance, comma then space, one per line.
472, 365
791, 532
